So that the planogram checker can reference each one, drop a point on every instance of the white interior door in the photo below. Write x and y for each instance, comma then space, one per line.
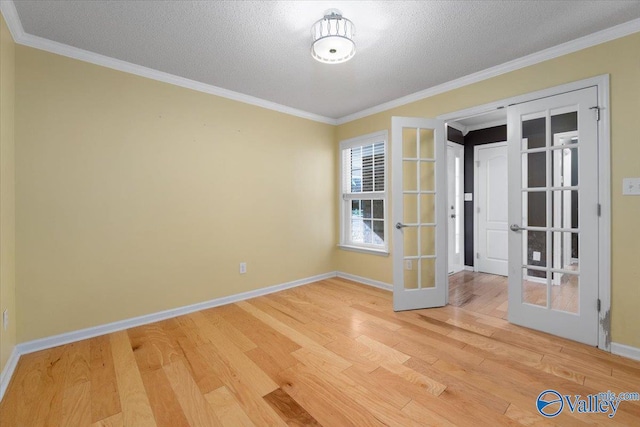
455, 203
419, 213
553, 242
492, 253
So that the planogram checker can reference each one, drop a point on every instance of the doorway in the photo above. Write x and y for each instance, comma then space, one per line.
564, 248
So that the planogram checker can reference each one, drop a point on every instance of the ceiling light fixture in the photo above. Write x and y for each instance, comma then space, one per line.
333, 38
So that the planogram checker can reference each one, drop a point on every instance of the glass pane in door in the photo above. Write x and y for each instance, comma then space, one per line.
428, 272
409, 143
534, 287
410, 175
427, 146
427, 208
410, 242
410, 204
427, 176
410, 275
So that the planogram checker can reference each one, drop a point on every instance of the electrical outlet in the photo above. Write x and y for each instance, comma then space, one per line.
536, 256
408, 265
243, 267
5, 318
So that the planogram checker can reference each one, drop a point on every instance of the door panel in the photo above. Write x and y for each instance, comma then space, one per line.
419, 214
553, 258
492, 208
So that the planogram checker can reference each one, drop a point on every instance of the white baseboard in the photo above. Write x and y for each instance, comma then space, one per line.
365, 281
69, 337
469, 268
8, 370
625, 350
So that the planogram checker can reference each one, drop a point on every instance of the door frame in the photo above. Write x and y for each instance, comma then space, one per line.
461, 213
604, 180
476, 190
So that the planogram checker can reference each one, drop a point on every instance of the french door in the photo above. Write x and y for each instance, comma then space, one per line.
553, 215
419, 213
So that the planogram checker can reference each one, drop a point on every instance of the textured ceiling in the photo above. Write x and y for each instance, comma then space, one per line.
261, 48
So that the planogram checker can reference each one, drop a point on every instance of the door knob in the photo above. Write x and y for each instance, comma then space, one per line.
515, 227
453, 215
400, 225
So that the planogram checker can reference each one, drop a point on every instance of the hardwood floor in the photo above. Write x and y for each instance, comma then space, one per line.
332, 353
487, 293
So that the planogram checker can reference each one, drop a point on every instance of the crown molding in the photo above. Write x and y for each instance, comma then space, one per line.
20, 37
7, 7
590, 40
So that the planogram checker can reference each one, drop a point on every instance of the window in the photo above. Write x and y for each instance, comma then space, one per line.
363, 219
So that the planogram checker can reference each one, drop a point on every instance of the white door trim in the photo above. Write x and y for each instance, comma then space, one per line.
461, 212
476, 189
604, 180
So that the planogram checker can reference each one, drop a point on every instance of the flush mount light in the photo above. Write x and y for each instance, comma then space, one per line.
333, 38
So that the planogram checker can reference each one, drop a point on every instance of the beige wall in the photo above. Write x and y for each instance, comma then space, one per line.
7, 192
135, 196
619, 58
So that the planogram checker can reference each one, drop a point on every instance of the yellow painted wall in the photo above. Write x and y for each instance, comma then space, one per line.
619, 58
135, 196
7, 192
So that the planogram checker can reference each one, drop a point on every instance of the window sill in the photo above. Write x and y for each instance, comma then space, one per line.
379, 252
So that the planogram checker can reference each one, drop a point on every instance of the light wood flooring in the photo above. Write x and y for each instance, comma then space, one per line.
487, 293
332, 353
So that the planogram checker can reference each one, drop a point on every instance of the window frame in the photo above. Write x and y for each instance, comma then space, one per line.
345, 198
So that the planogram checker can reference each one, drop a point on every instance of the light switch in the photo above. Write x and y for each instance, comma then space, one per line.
631, 187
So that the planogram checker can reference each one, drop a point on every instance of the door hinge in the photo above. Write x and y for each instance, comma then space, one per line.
477, 163
477, 255
596, 109
478, 209
599, 305
599, 209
